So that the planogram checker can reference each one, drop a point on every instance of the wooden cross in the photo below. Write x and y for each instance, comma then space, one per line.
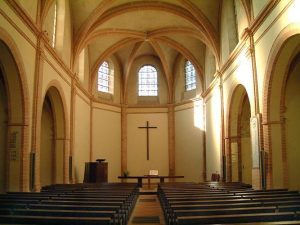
147, 127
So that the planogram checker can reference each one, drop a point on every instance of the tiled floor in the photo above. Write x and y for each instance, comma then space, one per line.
147, 205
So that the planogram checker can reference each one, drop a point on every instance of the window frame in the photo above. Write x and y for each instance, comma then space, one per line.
105, 78
190, 80
150, 88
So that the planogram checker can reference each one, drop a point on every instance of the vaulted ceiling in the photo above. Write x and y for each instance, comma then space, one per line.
127, 29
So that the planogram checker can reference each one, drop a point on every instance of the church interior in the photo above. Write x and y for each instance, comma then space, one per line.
203, 92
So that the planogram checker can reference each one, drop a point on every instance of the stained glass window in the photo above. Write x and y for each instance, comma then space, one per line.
148, 81
190, 76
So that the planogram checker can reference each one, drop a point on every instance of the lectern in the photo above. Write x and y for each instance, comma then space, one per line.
95, 172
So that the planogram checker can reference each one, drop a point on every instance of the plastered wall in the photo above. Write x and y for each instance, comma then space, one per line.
81, 132
106, 137
137, 162
189, 132
213, 131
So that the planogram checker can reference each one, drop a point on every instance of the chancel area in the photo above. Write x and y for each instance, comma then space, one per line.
199, 98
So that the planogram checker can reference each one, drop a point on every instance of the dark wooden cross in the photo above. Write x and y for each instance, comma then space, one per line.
147, 127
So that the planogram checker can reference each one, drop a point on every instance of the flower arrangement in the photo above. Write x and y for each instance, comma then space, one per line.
125, 173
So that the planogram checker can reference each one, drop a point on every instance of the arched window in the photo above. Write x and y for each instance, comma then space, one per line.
54, 24
148, 81
105, 78
190, 76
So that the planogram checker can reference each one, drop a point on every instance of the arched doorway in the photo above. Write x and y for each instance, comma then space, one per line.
13, 119
240, 156
47, 144
281, 120
52, 150
292, 123
3, 133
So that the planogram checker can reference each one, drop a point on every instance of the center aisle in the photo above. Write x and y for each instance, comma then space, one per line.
147, 211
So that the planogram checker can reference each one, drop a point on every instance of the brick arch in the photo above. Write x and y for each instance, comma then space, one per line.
237, 95
19, 75
273, 108
61, 121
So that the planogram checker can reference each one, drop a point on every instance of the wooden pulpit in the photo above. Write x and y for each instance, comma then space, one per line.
95, 172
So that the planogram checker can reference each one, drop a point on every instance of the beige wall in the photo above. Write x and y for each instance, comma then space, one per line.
229, 33
30, 7
258, 6
106, 138
213, 133
241, 17
64, 32
210, 67
137, 164
189, 132
49, 22
81, 132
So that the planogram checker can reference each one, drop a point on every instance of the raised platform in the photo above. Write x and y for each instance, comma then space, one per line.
147, 191
149, 177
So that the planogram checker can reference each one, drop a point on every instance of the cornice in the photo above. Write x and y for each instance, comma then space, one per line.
100, 101
81, 88
234, 54
185, 102
24, 16
257, 22
211, 85
148, 106
54, 54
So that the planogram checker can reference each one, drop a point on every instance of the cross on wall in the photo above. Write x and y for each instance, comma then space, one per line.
147, 127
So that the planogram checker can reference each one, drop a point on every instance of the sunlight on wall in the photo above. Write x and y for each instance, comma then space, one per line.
54, 25
81, 66
198, 114
293, 14
213, 131
244, 69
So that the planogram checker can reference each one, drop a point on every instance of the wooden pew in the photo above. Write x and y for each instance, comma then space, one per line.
227, 203
54, 220
70, 204
235, 218
113, 215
